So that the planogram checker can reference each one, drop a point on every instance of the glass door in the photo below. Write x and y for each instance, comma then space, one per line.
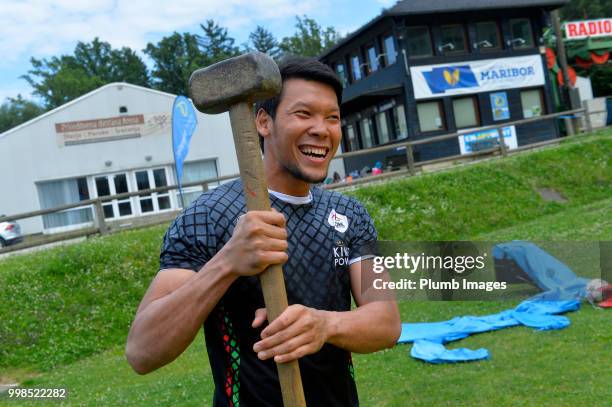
107, 185
156, 201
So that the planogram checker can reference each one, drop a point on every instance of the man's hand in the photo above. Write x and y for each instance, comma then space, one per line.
297, 332
259, 240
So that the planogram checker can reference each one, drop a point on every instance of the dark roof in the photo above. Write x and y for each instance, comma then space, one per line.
416, 7
446, 6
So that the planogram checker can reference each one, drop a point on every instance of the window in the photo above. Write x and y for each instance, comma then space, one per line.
419, 42
356, 67
194, 172
431, 117
532, 102
401, 129
390, 54
372, 58
382, 127
341, 71
522, 37
487, 36
367, 133
352, 144
453, 39
52, 194
466, 112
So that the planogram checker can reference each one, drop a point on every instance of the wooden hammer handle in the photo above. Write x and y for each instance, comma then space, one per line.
272, 281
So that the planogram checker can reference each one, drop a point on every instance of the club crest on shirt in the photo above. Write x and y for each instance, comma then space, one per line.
338, 221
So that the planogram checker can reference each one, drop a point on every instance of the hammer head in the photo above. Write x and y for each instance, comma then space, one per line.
245, 78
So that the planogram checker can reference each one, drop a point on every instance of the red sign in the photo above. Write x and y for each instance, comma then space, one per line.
590, 28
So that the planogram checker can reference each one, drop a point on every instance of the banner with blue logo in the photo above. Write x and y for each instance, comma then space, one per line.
499, 106
184, 122
473, 141
477, 76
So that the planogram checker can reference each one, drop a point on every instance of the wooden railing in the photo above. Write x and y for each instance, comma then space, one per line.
411, 168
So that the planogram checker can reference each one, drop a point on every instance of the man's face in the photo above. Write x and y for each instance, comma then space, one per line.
304, 136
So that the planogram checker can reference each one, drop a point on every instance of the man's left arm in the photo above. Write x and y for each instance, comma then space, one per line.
374, 325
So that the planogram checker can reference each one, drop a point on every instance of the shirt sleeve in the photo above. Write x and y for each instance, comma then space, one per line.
363, 243
189, 242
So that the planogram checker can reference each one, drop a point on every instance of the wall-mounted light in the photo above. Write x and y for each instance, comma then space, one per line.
148, 158
108, 163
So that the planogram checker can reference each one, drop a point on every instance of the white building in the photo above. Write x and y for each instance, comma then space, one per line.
115, 139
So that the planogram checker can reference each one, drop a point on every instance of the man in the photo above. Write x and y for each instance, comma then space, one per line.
213, 252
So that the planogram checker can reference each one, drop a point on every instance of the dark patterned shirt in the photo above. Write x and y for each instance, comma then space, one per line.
326, 235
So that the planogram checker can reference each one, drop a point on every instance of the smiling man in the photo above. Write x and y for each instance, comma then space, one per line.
213, 252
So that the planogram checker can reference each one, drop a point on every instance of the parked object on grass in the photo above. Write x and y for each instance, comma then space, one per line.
10, 233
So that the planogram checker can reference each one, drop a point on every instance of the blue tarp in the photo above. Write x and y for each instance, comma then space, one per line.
562, 290
429, 337
555, 279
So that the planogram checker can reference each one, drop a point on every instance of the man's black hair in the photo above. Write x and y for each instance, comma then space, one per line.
307, 68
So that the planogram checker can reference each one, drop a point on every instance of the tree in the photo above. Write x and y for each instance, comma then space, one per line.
263, 40
15, 111
310, 39
216, 44
175, 58
586, 9
60, 79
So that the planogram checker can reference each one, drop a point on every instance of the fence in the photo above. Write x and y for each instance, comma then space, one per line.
102, 227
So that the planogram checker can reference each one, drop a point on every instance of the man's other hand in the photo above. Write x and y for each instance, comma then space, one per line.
297, 332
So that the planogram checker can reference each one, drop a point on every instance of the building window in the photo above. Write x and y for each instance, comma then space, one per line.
52, 194
382, 127
401, 129
197, 171
352, 144
390, 54
341, 71
431, 116
453, 39
466, 112
419, 42
487, 36
356, 67
532, 102
367, 132
522, 36
372, 58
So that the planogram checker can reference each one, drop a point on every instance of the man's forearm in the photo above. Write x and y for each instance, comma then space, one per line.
167, 325
368, 328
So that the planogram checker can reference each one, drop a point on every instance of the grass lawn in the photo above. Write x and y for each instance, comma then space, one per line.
65, 312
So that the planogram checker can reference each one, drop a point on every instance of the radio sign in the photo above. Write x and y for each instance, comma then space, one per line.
577, 30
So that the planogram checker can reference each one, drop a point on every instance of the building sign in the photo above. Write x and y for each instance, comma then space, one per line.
474, 141
110, 128
577, 30
477, 76
499, 106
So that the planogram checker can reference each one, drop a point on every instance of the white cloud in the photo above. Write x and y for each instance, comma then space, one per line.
42, 28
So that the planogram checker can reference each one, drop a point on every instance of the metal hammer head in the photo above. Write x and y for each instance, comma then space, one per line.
249, 77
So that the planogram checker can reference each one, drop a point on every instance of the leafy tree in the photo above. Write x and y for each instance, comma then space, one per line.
216, 44
310, 39
175, 58
586, 9
60, 79
263, 40
15, 111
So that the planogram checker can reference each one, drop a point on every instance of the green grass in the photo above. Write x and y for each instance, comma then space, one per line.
476, 199
65, 312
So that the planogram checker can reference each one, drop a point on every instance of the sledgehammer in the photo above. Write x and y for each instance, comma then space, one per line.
234, 84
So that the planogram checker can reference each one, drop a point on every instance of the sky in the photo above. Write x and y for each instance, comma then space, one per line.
46, 28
